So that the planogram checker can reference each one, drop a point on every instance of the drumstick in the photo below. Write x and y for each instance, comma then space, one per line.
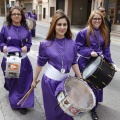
27, 94
23, 98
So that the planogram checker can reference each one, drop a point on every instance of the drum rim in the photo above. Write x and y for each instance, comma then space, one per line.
91, 91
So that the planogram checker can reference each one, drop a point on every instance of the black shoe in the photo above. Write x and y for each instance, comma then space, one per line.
94, 115
23, 110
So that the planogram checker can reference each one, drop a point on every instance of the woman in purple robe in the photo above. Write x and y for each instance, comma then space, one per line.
91, 42
59, 50
15, 34
34, 16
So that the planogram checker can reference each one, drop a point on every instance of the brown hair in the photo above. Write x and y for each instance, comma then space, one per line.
52, 33
9, 20
103, 28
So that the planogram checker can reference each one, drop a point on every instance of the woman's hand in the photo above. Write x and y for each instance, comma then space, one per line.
94, 54
24, 49
4, 49
33, 85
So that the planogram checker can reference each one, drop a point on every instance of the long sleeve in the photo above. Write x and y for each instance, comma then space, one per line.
82, 48
42, 56
75, 55
2, 39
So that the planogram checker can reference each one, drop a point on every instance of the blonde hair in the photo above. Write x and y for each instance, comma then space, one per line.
103, 28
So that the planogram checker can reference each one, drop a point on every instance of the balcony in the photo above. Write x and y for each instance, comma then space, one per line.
39, 1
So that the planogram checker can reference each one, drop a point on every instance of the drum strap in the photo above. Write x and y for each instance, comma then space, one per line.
53, 73
22, 54
83, 56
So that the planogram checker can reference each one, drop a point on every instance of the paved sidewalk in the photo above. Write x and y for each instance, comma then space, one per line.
6, 113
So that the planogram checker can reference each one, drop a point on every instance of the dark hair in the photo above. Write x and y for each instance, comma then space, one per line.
9, 20
34, 11
52, 33
24, 8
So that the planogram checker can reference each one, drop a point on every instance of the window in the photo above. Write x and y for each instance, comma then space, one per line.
12, 3
52, 11
118, 13
44, 13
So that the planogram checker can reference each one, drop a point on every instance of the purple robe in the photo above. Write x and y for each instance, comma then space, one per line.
34, 16
85, 51
48, 52
26, 15
18, 36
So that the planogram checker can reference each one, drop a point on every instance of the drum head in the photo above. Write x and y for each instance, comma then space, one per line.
80, 93
91, 67
31, 23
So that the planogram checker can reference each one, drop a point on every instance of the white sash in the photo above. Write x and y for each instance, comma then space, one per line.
54, 74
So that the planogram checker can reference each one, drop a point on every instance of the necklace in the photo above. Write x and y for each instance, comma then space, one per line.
97, 38
18, 33
61, 55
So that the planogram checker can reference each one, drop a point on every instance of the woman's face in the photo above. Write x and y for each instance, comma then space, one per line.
61, 28
16, 16
96, 21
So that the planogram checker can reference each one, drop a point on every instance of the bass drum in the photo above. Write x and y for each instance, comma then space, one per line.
99, 73
31, 23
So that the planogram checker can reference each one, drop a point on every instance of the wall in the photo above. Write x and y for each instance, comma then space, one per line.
45, 5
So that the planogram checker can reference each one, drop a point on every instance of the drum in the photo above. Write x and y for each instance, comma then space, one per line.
31, 23
99, 73
13, 63
77, 97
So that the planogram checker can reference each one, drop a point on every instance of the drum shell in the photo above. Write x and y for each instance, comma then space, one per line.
13, 61
73, 106
102, 76
31, 23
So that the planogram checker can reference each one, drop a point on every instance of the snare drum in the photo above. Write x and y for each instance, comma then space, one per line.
76, 97
31, 23
13, 65
99, 73
13, 62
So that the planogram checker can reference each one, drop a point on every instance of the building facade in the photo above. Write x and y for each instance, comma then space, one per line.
4, 5
28, 4
77, 11
113, 13
74, 9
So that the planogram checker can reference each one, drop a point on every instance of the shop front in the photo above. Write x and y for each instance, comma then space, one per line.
113, 13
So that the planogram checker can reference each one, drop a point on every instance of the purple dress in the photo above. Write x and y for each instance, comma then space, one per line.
96, 43
48, 53
17, 36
